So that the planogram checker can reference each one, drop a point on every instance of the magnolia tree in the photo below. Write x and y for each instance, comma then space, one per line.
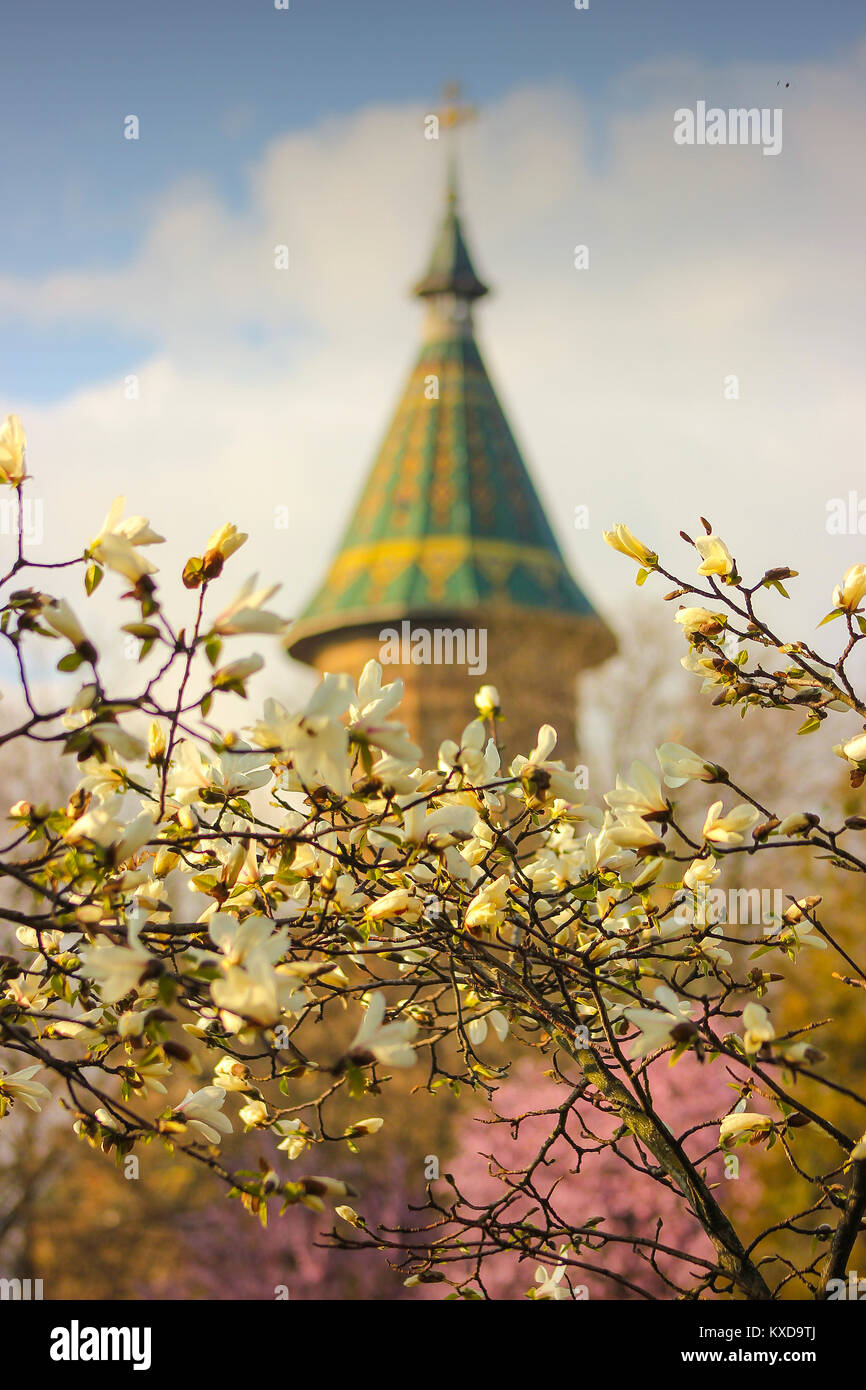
357, 915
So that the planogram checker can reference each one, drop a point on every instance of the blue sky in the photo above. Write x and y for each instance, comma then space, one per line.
154, 258
213, 81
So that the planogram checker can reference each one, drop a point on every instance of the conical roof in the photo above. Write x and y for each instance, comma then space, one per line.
448, 519
451, 269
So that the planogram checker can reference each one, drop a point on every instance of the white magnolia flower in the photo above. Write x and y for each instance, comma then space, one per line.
471, 754
19, 1085
202, 1112
489, 905
680, 765
757, 1028
150, 1072
360, 1128
255, 994
477, 1028
797, 823
117, 740
60, 618
116, 969
398, 903
104, 827
858, 1153
226, 540
106, 1119
642, 796
543, 774
716, 557
743, 1122
549, 1284
315, 742
117, 544
247, 613
699, 620
700, 874
631, 831
230, 772
855, 749
231, 1074
254, 1114
487, 701
388, 1043
436, 827
294, 1139
256, 938
368, 716
624, 540
657, 1025
699, 664
850, 592
731, 829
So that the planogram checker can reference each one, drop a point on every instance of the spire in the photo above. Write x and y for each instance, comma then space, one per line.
450, 270
448, 519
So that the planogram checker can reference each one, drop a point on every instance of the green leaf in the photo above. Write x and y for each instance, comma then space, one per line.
70, 662
92, 578
192, 573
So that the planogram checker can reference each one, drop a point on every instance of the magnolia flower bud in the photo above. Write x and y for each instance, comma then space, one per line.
255, 1113
234, 864
627, 543
855, 749
361, 1127
797, 910
156, 743
59, 616
699, 620
226, 541
797, 823
715, 555
487, 701
164, 861
326, 1187
13, 445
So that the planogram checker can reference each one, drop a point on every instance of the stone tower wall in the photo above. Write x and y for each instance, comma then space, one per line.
533, 660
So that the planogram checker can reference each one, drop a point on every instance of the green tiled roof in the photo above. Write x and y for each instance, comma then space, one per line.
448, 518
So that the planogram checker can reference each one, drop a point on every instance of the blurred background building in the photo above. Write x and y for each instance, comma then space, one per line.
449, 562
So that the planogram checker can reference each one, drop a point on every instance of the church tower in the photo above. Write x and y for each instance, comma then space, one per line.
449, 553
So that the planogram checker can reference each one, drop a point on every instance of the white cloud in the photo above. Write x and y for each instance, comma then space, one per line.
272, 388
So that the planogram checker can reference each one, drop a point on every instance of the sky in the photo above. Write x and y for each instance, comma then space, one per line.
257, 389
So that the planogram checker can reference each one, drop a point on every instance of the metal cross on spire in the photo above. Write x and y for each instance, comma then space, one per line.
453, 114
